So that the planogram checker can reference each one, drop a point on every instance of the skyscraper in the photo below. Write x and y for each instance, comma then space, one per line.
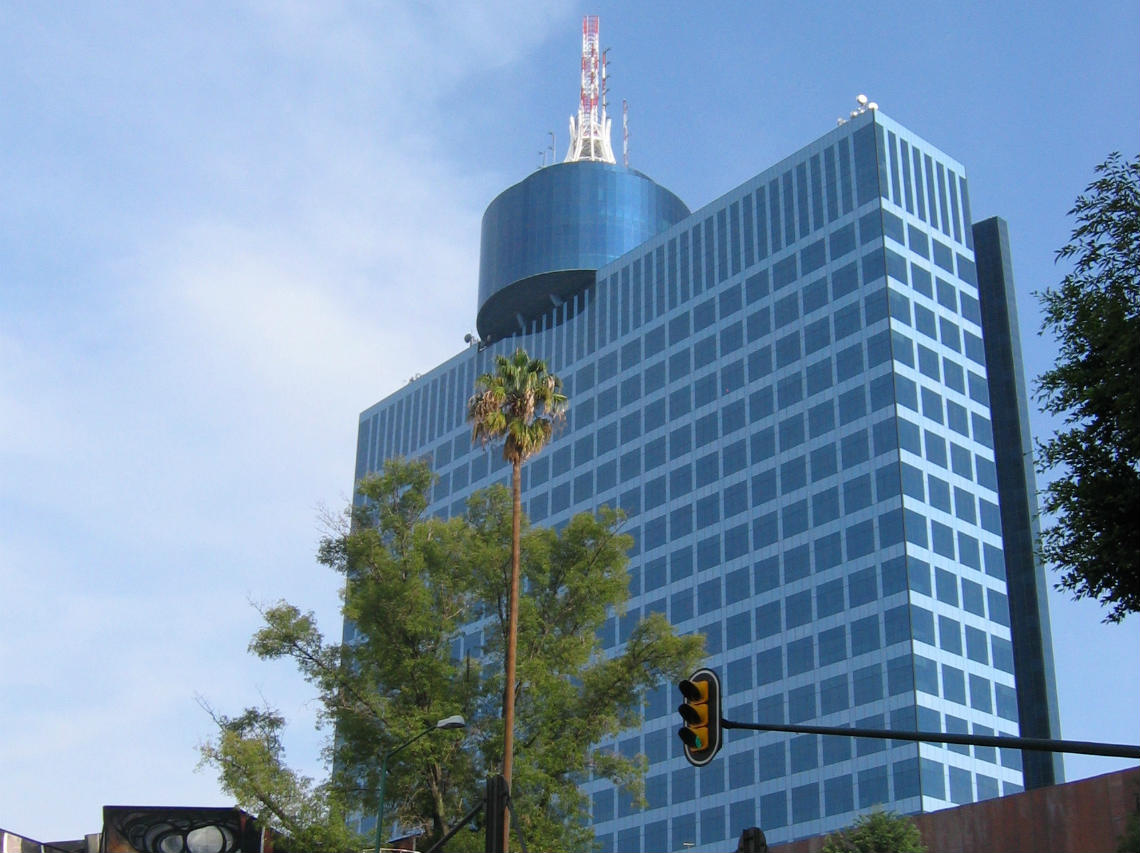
807, 397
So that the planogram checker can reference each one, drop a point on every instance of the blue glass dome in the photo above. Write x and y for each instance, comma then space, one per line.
544, 238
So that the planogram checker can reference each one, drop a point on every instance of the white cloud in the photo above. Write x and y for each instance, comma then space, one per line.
260, 241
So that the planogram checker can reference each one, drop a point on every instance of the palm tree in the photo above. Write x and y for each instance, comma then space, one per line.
520, 403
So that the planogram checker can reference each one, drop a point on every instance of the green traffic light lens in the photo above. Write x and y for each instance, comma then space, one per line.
691, 739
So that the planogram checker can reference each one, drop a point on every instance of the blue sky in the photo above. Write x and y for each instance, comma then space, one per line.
227, 228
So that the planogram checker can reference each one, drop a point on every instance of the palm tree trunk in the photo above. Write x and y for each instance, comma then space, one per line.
512, 643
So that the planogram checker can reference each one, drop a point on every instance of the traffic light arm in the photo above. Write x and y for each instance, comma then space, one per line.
1010, 742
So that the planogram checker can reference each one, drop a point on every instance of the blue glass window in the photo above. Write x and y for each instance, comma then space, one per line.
791, 433
980, 694
680, 441
854, 448
950, 339
1006, 701
949, 635
922, 624
759, 323
856, 494
977, 647
681, 606
814, 296
909, 437
906, 392
679, 365
741, 770
860, 539
828, 551
797, 609
786, 310
872, 787
932, 405
825, 506
971, 309
960, 461
788, 349
801, 656
999, 607
925, 675
761, 403
953, 684
832, 646
793, 474
842, 240
987, 472
838, 795
1002, 654
680, 523
869, 746
905, 775
805, 803
804, 753
865, 635
794, 518
821, 417
790, 390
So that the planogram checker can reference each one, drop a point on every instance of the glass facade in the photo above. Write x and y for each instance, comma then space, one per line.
543, 238
787, 393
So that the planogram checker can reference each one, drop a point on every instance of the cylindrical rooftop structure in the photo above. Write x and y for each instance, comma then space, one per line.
544, 238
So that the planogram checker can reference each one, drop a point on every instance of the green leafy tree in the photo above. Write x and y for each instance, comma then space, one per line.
518, 403
415, 585
1094, 496
877, 832
250, 763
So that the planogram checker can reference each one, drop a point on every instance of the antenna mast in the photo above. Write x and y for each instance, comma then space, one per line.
625, 132
590, 137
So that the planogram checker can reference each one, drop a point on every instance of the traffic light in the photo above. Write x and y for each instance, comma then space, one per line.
700, 713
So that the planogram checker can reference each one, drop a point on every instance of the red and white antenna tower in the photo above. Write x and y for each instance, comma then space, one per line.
590, 137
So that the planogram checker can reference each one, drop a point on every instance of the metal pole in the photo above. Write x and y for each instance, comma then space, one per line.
380, 806
1081, 747
384, 778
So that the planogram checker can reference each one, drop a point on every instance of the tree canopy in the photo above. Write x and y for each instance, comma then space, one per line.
520, 402
417, 589
877, 832
1094, 460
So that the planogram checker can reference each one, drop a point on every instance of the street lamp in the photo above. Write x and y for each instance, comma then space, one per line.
455, 721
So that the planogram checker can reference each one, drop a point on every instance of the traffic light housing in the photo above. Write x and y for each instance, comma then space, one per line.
700, 715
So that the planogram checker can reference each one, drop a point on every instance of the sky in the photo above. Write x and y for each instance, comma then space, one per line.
228, 228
